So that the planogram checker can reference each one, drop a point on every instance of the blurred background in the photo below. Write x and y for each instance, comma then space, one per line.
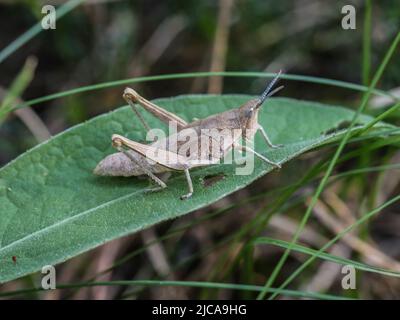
108, 40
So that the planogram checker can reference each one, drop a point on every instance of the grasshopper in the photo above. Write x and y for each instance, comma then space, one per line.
137, 159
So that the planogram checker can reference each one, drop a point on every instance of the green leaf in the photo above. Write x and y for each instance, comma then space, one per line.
53, 208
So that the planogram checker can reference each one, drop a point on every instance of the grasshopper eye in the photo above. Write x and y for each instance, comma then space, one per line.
249, 112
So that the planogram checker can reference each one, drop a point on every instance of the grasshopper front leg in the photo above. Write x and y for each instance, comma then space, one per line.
245, 148
267, 140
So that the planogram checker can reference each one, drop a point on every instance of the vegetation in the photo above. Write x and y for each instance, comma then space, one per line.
272, 234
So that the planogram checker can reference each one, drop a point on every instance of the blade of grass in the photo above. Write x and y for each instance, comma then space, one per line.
294, 77
332, 164
366, 50
35, 30
157, 283
380, 117
326, 256
316, 254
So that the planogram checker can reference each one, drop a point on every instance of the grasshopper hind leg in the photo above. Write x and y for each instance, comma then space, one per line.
119, 142
161, 184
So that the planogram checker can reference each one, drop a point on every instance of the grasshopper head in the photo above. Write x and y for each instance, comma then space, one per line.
249, 110
249, 113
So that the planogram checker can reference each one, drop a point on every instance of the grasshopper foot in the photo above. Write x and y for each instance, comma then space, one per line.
160, 186
156, 189
186, 196
276, 146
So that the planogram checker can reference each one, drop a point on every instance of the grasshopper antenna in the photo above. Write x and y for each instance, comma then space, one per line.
267, 92
275, 91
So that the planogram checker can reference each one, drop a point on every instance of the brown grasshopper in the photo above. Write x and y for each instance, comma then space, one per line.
137, 159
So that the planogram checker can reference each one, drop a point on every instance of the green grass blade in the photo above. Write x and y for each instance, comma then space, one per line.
379, 118
366, 50
194, 284
326, 256
17, 87
294, 77
316, 254
332, 163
